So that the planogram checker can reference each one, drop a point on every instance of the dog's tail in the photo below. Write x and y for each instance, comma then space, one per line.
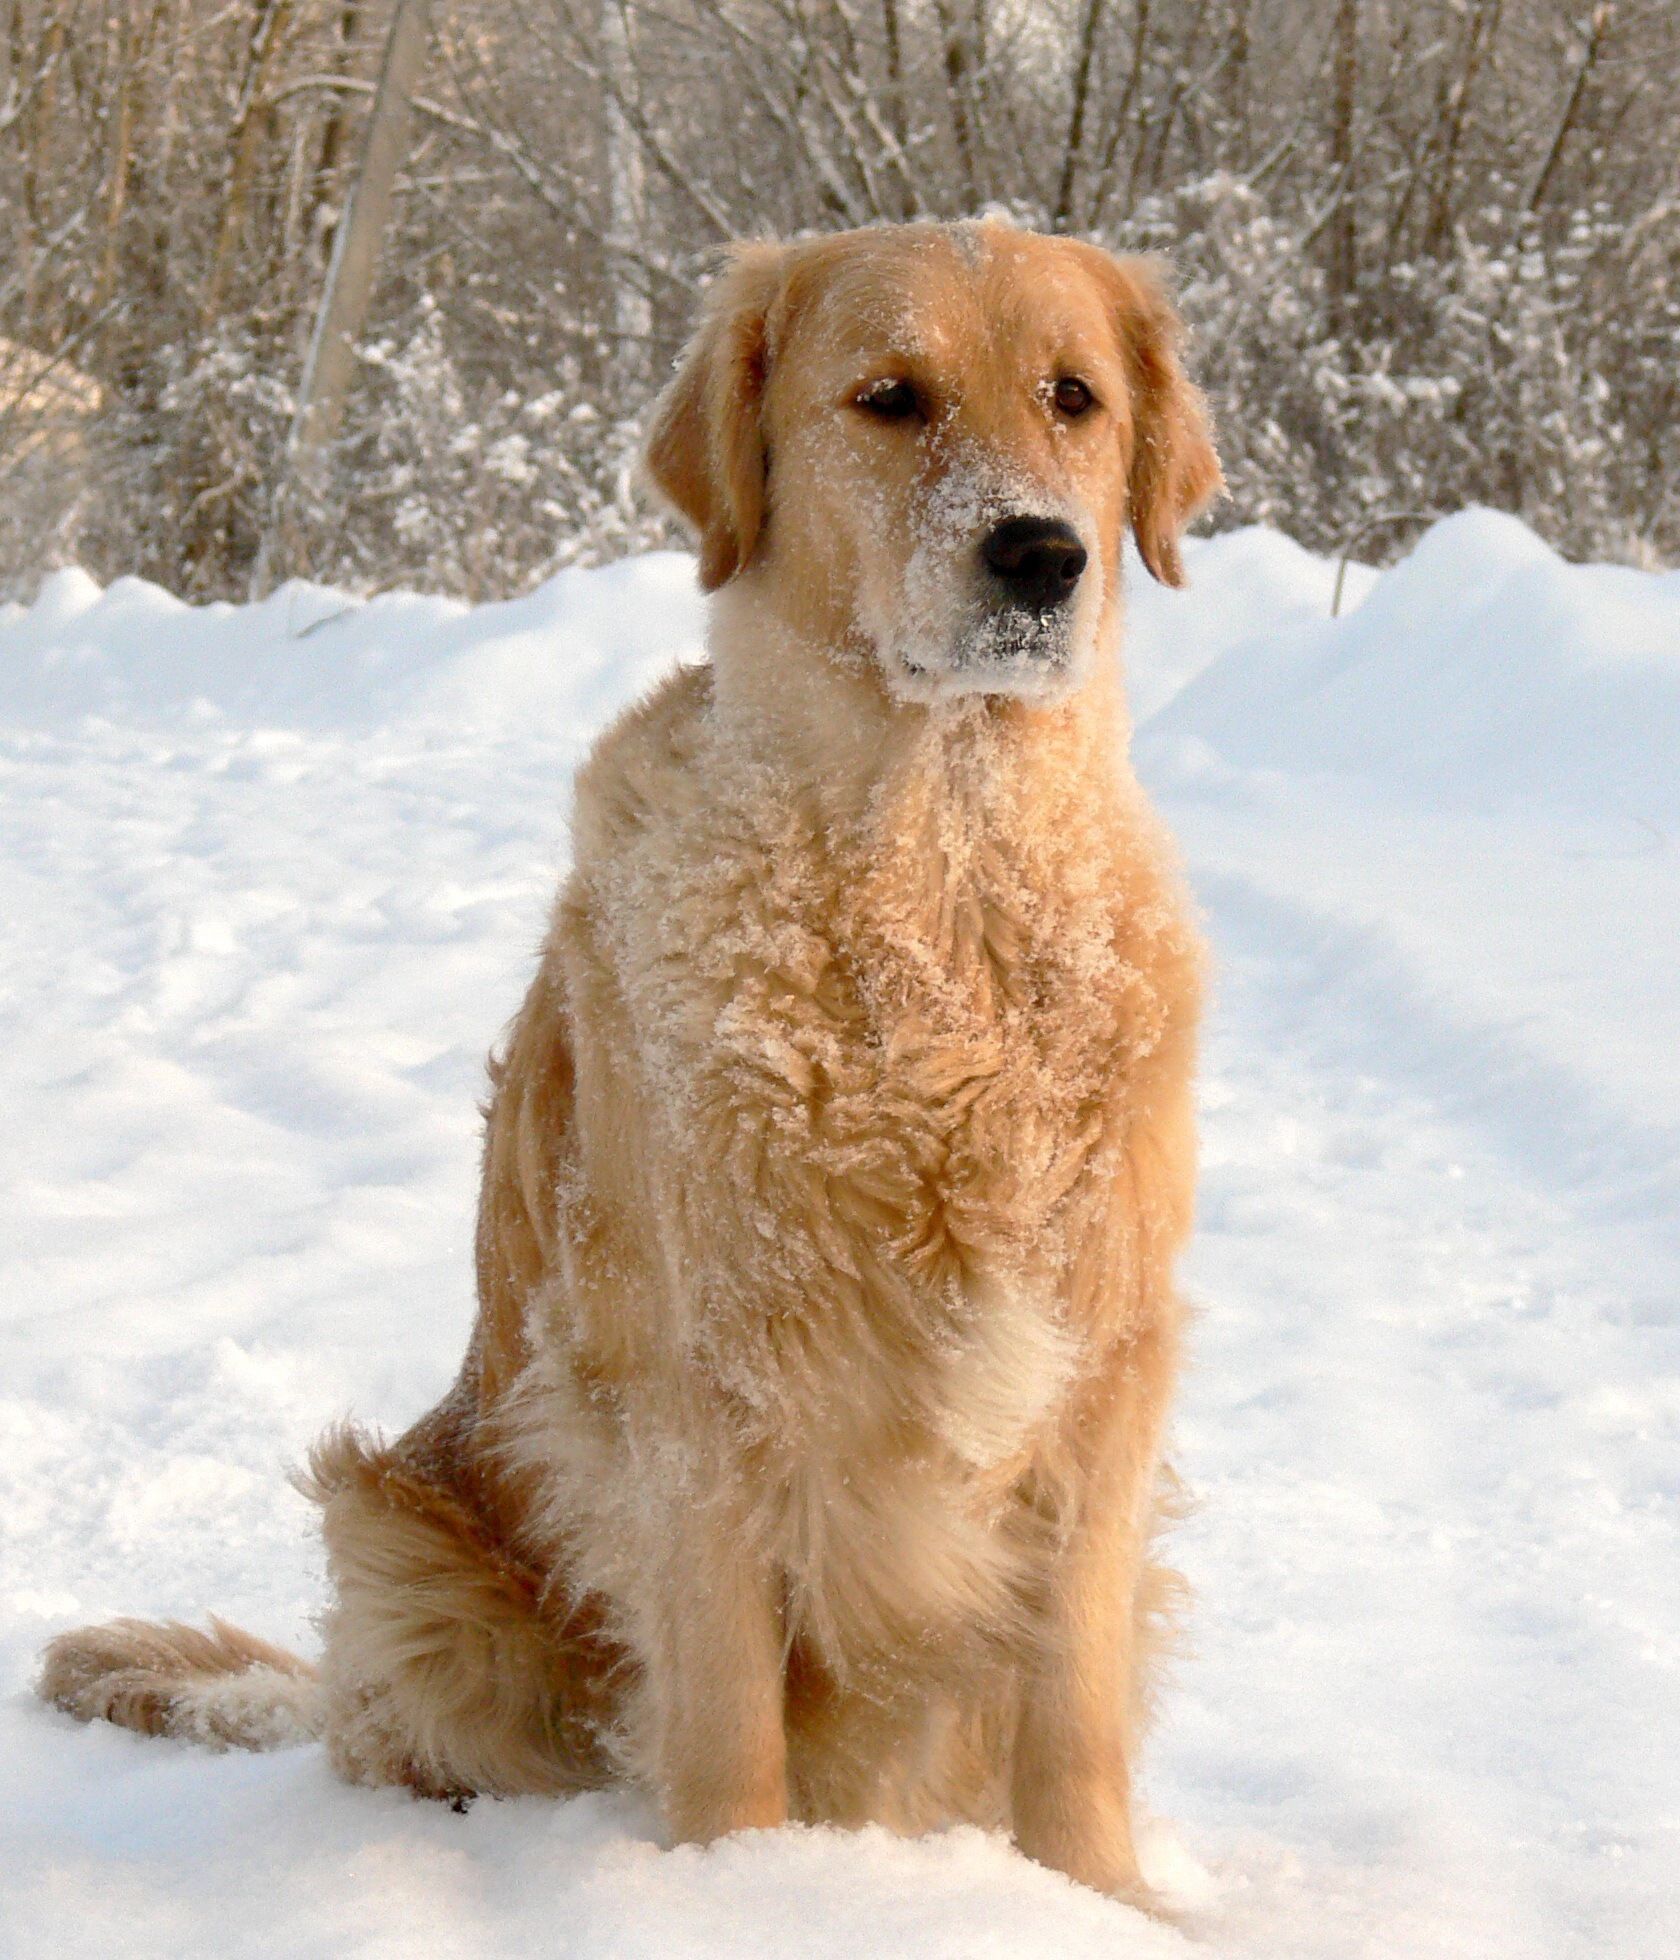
224, 1688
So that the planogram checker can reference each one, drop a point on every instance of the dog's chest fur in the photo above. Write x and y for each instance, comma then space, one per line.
889, 1067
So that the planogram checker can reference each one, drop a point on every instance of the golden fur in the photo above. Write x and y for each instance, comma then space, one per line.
807, 1450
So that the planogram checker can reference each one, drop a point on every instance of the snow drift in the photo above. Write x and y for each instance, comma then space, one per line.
1481, 665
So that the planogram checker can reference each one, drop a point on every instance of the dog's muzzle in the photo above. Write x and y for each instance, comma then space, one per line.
1011, 605
1021, 636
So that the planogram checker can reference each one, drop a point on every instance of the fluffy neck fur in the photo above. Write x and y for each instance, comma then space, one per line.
823, 718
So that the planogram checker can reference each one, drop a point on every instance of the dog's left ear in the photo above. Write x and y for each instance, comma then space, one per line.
705, 449
1174, 472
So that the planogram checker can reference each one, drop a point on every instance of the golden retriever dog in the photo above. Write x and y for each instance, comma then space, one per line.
806, 1454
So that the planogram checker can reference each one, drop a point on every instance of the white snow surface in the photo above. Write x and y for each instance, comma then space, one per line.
273, 878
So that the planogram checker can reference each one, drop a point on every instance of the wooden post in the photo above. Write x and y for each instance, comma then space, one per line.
348, 291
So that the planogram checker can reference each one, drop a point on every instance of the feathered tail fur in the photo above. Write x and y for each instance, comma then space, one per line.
225, 1688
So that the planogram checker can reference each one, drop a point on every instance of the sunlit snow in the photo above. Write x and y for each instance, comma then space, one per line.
273, 877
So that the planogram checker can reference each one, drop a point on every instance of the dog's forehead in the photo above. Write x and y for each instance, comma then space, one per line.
945, 294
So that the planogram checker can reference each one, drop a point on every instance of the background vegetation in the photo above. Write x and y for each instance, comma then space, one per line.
1430, 250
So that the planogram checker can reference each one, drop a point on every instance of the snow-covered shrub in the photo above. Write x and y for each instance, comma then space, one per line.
474, 488
1498, 373
1431, 252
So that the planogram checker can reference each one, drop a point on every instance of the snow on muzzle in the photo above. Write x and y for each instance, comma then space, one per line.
1001, 594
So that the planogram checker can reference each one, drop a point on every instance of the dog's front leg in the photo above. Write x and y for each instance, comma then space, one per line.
1072, 1771
717, 1682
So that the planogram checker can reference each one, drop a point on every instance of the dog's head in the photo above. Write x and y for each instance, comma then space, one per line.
925, 443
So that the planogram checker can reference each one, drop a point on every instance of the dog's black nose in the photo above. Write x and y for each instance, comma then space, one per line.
1039, 560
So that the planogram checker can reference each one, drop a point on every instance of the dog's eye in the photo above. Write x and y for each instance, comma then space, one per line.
892, 401
1071, 395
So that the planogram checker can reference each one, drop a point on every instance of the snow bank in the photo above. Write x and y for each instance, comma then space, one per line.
272, 878
1482, 665
311, 658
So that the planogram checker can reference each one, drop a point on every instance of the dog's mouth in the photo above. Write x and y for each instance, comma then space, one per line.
1007, 640
998, 651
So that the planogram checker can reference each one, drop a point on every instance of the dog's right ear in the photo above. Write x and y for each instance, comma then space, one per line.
705, 449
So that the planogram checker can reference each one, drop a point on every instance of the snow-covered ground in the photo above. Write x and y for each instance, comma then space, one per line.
271, 880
